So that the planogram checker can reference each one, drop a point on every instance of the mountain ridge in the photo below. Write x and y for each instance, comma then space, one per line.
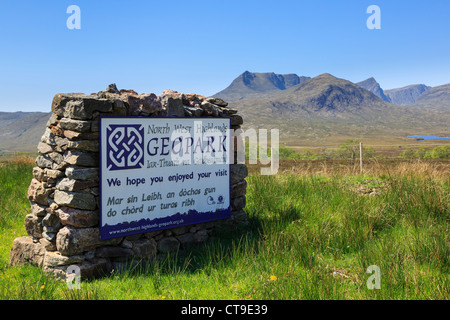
251, 84
301, 107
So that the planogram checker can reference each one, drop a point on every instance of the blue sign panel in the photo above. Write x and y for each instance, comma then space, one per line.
159, 173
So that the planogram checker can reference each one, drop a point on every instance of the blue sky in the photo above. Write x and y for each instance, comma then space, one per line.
201, 46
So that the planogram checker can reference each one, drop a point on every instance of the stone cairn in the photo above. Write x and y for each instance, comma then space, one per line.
63, 225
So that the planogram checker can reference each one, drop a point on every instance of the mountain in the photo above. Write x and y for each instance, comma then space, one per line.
435, 98
252, 85
326, 93
406, 95
21, 131
326, 107
373, 86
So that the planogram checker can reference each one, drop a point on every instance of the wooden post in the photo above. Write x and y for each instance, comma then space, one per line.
360, 157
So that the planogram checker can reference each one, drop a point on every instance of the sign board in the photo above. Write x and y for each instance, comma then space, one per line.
160, 173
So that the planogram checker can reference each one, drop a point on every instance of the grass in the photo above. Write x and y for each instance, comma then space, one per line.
312, 235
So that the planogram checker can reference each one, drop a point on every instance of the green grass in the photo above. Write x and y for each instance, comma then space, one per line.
309, 237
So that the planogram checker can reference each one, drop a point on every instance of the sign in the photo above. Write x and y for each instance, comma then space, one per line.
160, 173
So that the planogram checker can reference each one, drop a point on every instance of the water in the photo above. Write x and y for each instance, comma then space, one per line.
430, 137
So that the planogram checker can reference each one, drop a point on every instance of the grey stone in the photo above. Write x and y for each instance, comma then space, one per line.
51, 121
239, 215
75, 125
57, 143
119, 108
68, 184
48, 137
38, 209
25, 251
201, 235
38, 193
81, 158
95, 268
33, 226
134, 237
186, 239
49, 236
82, 173
38, 173
236, 120
112, 88
53, 174
78, 218
140, 104
109, 252
210, 109
53, 259
126, 244
217, 101
78, 200
238, 172
57, 158
43, 161
95, 126
144, 248
72, 241
238, 189
86, 145
179, 230
238, 204
44, 148
168, 244
95, 191
228, 112
79, 106
152, 234
49, 246
51, 223
196, 112
172, 105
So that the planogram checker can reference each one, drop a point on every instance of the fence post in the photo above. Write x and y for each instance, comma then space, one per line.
360, 157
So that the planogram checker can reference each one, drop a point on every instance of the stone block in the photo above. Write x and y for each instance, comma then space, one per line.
54, 259
80, 173
81, 158
38, 193
33, 226
78, 200
78, 218
144, 248
238, 173
79, 106
75, 125
25, 251
71, 241
169, 244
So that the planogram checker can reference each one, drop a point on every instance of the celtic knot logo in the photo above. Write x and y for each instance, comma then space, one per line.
125, 148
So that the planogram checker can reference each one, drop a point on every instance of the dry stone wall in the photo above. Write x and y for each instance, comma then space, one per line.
63, 224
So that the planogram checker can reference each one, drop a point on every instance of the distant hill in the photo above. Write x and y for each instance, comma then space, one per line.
21, 131
373, 86
328, 94
303, 108
406, 95
252, 85
436, 98
326, 106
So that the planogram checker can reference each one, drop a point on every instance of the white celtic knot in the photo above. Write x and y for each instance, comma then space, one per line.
125, 146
